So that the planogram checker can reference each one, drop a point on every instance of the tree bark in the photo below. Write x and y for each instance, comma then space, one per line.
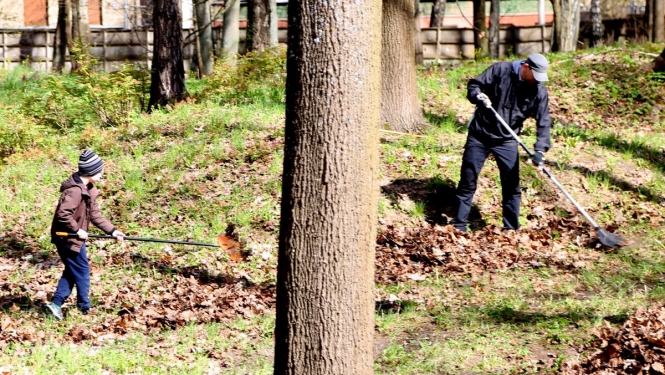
566, 25
420, 59
204, 27
168, 72
659, 21
480, 39
438, 13
258, 25
596, 24
274, 24
648, 17
231, 31
495, 41
325, 272
61, 38
400, 108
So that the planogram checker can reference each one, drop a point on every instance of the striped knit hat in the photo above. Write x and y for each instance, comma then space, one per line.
90, 163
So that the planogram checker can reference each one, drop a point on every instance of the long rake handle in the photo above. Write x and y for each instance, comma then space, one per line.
547, 172
73, 235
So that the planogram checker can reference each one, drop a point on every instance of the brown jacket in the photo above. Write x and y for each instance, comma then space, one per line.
76, 209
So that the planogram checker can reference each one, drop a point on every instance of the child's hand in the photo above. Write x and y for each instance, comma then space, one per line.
118, 235
82, 234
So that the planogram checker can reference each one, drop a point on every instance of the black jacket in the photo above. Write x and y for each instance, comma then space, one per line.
514, 100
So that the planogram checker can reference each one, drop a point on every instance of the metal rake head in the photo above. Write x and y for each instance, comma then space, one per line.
610, 239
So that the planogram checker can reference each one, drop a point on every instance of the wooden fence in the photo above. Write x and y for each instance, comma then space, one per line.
114, 46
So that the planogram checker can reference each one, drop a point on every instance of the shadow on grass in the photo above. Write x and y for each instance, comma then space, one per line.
438, 196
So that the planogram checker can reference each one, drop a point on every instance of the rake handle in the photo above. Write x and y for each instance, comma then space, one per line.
547, 172
74, 235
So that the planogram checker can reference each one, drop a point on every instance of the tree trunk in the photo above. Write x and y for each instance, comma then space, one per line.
325, 273
659, 21
566, 25
258, 25
204, 26
648, 18
61, 36
480, 40
596, 24
438, 13
420, 60
168, 72
400, 109
274, 24
231, 31
495, 41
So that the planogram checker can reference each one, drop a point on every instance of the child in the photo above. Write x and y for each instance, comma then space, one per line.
76, 209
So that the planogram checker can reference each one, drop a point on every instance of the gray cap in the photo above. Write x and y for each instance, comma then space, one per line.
538, 64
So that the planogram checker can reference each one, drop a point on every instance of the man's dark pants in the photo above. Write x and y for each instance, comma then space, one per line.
475, 154
76, 273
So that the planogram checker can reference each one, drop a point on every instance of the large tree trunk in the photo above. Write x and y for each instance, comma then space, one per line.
325, 271
596, 24
400, 109
258, 25
231, 31
204, 26
495, 40
168, 72
566, 25
659, 21
438, 13
274, 24
420, 59
480, 40
62, 33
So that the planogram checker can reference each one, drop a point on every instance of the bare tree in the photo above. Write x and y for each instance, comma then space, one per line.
168, 72
438, 13
258, 25
420, 59
72, 27
658, 21
400, 108
596, 24
204, 28
566, 25
231, 31
495, 40
325, 271
480, 39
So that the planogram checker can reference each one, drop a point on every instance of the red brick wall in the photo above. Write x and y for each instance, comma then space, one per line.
35, 13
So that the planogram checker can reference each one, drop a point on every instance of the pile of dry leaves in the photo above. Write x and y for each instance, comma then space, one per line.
637, 348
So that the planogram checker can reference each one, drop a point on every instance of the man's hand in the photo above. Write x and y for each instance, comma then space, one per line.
482, 97
538, 159
118, 235
82, 234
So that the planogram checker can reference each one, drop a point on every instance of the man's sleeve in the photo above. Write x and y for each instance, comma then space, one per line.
543, 124
480, 84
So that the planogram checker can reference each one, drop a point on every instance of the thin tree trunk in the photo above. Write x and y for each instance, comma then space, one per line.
61, 36
648, 17
325, 305
659, 21
231, 31
495, 41
274, 24
480, 39
596, 24
204, 26
566, 25
438, 13
420, 59
258, 25
168, 72
400, 108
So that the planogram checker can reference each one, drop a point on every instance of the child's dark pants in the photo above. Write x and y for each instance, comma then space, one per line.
76, 273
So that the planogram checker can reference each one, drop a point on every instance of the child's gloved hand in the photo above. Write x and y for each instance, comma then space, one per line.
82, 234
485, 99
538, 159
118, 235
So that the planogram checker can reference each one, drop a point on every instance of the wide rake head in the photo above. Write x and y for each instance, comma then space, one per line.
610, 239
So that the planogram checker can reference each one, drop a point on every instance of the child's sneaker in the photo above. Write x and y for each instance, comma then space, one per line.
55, 310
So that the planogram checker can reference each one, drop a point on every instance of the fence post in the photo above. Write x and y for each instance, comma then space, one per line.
4, 50
104, 49
438, 44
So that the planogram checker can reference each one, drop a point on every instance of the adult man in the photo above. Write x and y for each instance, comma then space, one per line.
515, 90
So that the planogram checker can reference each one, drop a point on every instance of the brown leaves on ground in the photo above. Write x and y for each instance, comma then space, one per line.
404, 253
637, 348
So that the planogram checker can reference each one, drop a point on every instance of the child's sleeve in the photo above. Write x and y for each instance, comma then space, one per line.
70, 199
98, 220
